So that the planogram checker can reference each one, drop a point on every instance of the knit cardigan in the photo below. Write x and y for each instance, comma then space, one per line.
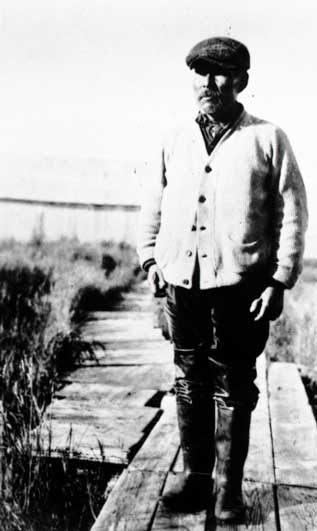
241, 211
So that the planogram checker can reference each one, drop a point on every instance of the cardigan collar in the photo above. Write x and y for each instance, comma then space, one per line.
212, 131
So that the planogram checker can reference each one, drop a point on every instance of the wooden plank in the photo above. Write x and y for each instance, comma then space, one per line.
119, 323
117, 313
77, 434
160, 377
142, 289
83, 431
142, 343
259, 464
105, 394
132, 502
124, 428
137, 304
88, 442
157, 354
84, 439
160, 448
166, 520
133, 333
297, 508
79, 441
74, 411
94, 433
260, 514
293, 427
97, 439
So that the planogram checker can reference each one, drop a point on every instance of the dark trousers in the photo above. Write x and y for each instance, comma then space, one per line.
216, 342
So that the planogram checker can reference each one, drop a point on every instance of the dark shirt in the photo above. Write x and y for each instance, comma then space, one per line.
212, 130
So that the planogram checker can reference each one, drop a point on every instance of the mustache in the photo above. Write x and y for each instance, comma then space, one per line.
213, 94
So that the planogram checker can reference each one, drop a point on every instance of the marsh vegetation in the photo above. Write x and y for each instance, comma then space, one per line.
45, 291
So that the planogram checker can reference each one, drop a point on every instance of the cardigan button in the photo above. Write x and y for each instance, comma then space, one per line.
186, 282
202, 228
189, 253
202, 199
208, 169
194, 227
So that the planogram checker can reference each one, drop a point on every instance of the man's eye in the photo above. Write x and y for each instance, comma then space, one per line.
202, 71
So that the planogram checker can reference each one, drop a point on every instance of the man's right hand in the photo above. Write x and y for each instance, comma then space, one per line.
156, 281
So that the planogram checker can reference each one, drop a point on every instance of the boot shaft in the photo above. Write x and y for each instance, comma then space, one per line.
196, 422
232, 443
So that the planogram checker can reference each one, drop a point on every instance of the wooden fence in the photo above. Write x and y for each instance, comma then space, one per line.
23, 219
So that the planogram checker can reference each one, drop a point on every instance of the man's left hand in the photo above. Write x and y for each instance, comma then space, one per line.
269, 305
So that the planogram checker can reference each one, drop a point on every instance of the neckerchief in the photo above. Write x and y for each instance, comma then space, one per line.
211, 130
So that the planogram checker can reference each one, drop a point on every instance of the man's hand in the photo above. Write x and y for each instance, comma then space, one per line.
269, 305
156, 281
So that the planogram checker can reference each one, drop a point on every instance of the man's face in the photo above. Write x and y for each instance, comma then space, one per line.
215, 89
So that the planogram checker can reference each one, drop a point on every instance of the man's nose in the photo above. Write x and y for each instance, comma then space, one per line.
210, 80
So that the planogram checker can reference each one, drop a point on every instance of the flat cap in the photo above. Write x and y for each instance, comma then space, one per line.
222, 52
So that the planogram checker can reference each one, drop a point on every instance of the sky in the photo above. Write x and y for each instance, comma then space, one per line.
106, 78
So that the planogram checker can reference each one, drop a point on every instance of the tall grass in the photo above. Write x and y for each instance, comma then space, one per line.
45, 289
294, 334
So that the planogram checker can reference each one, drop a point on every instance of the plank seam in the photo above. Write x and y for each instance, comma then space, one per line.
157, 503
299, 486
277, 508
270, 419
274, 486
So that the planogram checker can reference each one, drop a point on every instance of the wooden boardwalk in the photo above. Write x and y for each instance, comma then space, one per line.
110, 410
280, 484
105, 410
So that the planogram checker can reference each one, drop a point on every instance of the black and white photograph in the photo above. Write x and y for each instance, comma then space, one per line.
158, 265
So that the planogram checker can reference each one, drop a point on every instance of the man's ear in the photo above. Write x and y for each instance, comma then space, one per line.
241, 81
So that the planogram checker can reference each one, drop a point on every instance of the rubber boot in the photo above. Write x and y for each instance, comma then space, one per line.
196, 422
232, 444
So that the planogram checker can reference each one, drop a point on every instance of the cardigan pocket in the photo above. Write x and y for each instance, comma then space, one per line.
248, 255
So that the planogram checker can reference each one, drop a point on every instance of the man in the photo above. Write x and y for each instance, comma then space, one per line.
221, 235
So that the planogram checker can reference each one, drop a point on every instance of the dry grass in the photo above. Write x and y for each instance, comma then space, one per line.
45, 288
294, 335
